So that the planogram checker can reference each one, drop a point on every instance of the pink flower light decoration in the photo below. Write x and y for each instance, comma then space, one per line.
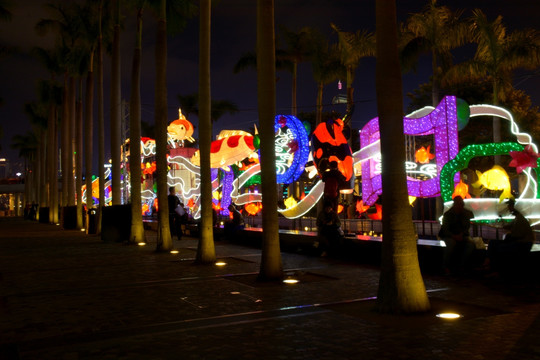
524, 159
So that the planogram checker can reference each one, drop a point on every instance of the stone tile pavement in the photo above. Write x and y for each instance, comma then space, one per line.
67, 295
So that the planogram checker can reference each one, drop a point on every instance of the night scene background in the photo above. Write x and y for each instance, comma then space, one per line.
233, 35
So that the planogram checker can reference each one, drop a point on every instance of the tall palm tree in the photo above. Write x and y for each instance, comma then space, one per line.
52, 95
206, 252
116, 107
137, 228
190, 105
326, 66
27, 146
180, 10
436, 30
353, 47
498, 54
271, 265
298, 49
401, 287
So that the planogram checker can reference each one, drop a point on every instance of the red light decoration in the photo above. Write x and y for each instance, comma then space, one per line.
360, 207
253, 208
377, 215
524, 159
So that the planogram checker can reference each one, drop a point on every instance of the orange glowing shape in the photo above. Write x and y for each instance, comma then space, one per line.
423, 155
360, 207
145, 208
378, 214
462, 190
181, 129
339, 208
190, 203
253, 208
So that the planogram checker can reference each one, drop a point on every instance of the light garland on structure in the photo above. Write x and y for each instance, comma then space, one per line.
440, 122
292, 148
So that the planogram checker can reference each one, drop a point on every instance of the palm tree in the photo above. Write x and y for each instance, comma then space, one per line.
401, 287
326, 66
137, 228
180, 10
190, 105
298, 49
52, 95
116, 106
27, 146
206, 252
271, 265
498, 54
436, 30
353, 47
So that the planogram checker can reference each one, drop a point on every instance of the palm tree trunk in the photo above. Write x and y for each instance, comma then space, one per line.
71, 142
401, 287
65, 140
78, 156
164, 241
89, 133
320, 87
206, 252
271, 265
116, 107
294, 107
137, 229
52, 164
101, 125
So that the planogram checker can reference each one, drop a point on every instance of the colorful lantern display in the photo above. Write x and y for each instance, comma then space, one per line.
524, 159
423, 155
181, 129
495, 178
462, 190
229, 148
330, 149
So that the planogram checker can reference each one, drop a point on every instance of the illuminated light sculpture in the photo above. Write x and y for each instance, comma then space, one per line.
440, 122
524, 159
228, 149
360, 207
253, 208
488, 209
377, 215
290, 202
462, 190
329, 146
292, 148
181, 129
423, 155
495, 178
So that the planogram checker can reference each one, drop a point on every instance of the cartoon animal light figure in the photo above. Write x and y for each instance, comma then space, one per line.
423, 155
495, 178
229, 148
181, 129
462, 190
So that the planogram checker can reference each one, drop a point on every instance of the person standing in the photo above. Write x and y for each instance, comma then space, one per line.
176, 213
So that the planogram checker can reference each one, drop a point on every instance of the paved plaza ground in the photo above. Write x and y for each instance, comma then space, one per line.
67, 295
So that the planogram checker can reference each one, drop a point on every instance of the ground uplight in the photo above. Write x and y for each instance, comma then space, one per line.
449, 316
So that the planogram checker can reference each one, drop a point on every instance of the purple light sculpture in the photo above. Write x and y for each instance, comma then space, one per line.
442, 123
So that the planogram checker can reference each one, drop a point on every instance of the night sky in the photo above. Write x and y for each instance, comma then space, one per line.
233, 33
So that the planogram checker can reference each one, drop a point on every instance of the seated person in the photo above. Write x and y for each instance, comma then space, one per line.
508, 253
455, 234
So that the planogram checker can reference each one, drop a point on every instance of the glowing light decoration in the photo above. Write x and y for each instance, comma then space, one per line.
461, 161
360, 207
329, 145
180, 129
292, 148
228, 149
440, 122
253, 208
462, 190
495, 178
290, 202
423, 155
524, 159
